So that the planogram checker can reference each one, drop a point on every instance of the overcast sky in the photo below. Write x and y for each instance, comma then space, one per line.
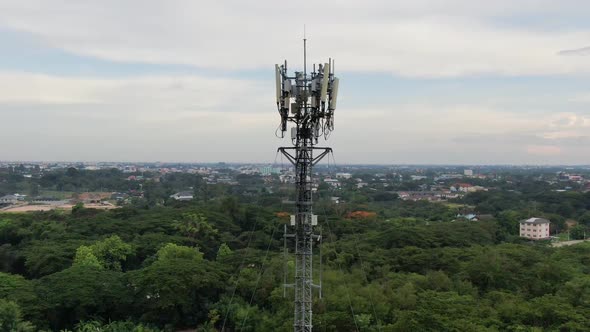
422, 81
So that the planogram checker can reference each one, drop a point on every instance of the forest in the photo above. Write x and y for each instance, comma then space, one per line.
216, 263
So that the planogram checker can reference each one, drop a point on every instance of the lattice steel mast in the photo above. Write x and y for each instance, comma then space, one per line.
308, 103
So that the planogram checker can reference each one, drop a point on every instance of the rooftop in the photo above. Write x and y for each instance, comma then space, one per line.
535, 221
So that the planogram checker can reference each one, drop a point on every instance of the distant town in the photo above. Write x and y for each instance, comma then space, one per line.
37, 186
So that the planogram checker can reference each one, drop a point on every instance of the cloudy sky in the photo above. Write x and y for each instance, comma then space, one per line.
422, 81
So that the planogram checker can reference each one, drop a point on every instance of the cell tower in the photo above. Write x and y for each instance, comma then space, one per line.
308, 103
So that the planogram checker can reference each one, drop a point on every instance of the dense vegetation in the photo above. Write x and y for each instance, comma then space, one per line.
216, 262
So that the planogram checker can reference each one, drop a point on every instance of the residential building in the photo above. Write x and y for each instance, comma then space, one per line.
534, 228
183, 196
468, 216
119, 196
361, 185
345, 176
269, 170
448, 177
8, 199
12, 199
466, 188
333, 182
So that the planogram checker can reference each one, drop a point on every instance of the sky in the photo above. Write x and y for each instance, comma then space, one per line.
422, 81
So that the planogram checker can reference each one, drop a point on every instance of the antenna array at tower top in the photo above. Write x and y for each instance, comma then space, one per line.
309, 100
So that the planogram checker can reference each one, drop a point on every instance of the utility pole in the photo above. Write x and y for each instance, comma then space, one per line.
307, 102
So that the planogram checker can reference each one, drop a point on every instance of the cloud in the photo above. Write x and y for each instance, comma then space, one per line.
177, 93
194, 118
544, 150
580, 51
424, 38
430, 133
184, 118
208, 116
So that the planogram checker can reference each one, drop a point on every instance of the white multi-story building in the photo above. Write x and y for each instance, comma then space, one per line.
534, 228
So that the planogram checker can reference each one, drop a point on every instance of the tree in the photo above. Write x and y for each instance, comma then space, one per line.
172, 251
578, 232
85, 256
111, 252
443, 311
72, 171
178, 288
20, 290
224, 250
117, 326
231, 207
82, 292
509, 221
33, 189
195, 225
8, 231
47, 257
405, 296
577, 291
487, 270
78, 208
552, 313
584, 219
408, 268
11, 318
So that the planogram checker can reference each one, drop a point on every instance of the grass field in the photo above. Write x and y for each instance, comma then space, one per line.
458, 206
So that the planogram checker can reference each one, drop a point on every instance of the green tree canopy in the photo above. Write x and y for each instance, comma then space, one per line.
11, 318
172, 251
85, 256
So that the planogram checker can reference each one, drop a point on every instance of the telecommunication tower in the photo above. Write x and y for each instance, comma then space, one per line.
308, 103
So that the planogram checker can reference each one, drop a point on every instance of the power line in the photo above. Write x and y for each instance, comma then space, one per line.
259, 277
341, 270
239, 273
356, 241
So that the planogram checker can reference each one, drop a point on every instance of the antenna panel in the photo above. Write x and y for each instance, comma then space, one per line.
334, 93
278, 83
325, 81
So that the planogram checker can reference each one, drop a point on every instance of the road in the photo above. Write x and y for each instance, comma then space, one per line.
567, 243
